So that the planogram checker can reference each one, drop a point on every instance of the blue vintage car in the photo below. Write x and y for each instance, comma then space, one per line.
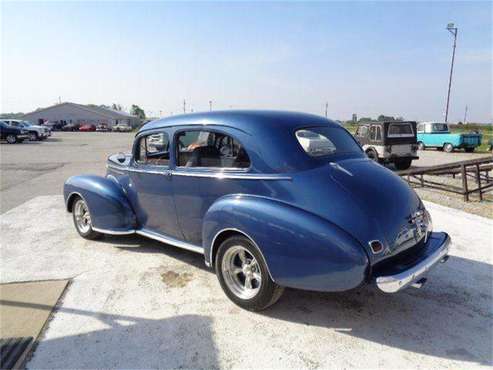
437, 135
271, 199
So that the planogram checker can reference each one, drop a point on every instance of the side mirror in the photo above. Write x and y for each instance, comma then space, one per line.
120, 157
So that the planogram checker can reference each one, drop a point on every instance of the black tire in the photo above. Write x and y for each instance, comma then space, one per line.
11, 139
448, 148
403, 164
33, 136
421, 145
86, 234
469, 150
268, 292
372, 154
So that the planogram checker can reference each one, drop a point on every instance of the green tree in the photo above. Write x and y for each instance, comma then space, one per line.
117, 107
137, 111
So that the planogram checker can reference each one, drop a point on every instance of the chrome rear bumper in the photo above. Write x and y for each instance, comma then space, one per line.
414, 274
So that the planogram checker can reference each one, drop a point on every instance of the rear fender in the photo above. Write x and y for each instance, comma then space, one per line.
301, 250
108, 204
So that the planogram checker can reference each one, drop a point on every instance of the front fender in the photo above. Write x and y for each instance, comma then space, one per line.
301, 250
107, 202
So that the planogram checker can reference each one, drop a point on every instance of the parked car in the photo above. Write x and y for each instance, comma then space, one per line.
265, 209
389, 142
102, 127
35, 132
87, 127
12, 134
122, 127
437, 135
71, 127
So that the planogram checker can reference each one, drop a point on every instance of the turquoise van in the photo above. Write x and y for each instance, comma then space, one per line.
437, 135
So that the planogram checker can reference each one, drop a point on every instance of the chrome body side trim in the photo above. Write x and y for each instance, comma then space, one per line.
394, 283
211, 262
228, 175
209, 174
114, 232
169, 240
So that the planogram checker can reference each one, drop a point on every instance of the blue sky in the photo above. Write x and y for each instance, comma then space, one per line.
360, 57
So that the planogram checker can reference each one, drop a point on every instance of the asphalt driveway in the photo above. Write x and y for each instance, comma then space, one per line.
136, 303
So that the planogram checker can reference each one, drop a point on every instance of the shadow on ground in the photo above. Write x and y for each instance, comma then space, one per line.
182, 341
446, 318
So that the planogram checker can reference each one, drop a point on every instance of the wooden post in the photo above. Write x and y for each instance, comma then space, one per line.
478, 180
465, 190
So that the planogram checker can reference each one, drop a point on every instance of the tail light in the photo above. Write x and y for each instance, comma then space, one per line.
376, 246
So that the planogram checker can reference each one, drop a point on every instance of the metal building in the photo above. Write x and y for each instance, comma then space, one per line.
78, 113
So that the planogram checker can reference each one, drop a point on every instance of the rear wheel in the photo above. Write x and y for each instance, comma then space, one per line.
447, 147
244, 276
421, 145
11, 139
469, 150
372, 154
403, 164
82, 220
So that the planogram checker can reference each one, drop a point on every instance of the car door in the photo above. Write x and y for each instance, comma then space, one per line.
210, 163
150, 188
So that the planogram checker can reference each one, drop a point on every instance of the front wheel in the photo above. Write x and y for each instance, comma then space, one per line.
403, 164
243, 275
33, 136
11, 139
82, 220
447, 147
421, 146
469, 150
372, 154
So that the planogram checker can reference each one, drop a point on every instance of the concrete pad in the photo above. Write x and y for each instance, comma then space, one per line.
25, 307
125, 308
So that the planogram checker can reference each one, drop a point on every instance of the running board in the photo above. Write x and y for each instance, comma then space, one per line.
169, 240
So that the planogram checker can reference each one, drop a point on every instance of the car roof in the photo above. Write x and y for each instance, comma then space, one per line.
249, 121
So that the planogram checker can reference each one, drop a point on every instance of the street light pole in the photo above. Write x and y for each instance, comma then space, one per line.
453, 30
210, 105
326, 108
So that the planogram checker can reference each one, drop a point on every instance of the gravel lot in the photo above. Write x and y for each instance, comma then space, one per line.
135, 303
40, 168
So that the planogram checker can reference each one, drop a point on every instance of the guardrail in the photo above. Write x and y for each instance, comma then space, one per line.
477, 169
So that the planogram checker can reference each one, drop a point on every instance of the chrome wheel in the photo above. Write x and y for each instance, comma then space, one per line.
82, 216
241, 272
11, 139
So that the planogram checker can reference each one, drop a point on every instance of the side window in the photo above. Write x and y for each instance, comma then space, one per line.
373, 132
153, 149
210, 149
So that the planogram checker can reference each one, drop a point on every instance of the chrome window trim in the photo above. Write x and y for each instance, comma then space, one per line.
169, 240
211, 262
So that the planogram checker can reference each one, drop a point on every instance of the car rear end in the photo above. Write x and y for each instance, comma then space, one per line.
400, 143
470, 141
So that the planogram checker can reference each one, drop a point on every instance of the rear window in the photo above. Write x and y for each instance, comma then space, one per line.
441, 127
323, 141
400, 130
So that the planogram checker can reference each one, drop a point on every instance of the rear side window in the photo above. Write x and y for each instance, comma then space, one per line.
154, 149
200, 148
324, 141
400, 130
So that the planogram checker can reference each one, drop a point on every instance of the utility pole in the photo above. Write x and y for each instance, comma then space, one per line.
59, 100
184, 106
453, 30
465, 116
210, 105
326, 108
